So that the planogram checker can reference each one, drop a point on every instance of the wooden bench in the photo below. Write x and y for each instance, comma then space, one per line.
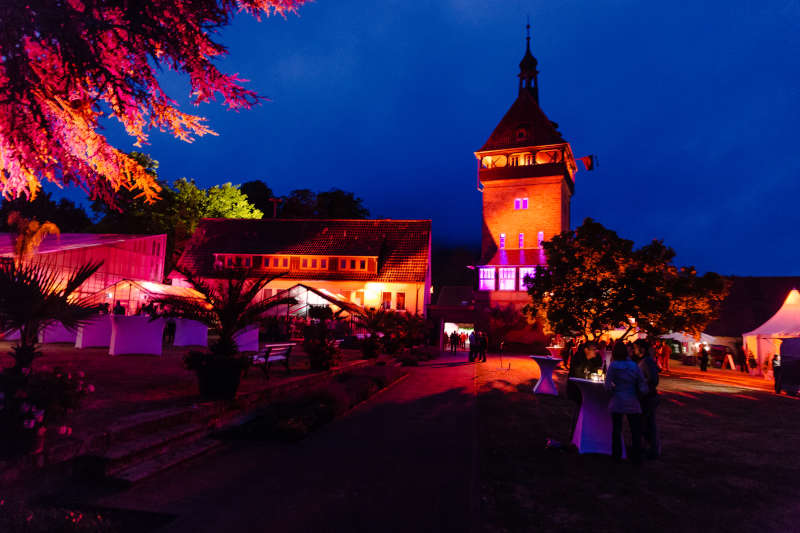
273, 353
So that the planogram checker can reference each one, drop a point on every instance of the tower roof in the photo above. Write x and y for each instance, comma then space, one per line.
524, 124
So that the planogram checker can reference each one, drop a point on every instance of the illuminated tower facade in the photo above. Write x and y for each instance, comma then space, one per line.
526, 176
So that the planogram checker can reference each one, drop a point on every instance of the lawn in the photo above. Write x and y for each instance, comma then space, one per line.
728, 460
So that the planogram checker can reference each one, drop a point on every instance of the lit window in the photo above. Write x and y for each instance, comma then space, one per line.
502, 241
304, 263
386, 300
313, 263
524, 203
508, 279
486, 280
523, 272
521, 241
540, 238
362, 265
401, 301
517, 203
527, 159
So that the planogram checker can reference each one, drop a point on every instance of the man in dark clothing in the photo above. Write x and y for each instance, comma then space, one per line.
454, 342
118, 309
649, 401
776, 372
704, 359
484, 344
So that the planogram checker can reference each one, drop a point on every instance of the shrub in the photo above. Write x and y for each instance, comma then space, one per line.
33, 405
17, 518
320, 346
371, 347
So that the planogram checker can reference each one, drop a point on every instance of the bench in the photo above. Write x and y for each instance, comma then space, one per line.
273, 353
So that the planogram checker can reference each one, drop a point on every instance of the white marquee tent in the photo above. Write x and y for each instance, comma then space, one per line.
765, 341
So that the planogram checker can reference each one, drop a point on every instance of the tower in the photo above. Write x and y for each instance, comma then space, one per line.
526, 176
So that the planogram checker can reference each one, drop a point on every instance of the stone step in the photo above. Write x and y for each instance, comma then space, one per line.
164, 461
127, 453
150, 422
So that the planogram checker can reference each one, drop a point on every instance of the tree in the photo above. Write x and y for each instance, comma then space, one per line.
336, 203
70, 218
259, 194
596, 282
500, 321
65, 66
176, 213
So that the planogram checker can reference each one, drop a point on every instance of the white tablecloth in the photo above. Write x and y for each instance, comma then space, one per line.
247, 339
95, 334
190, 333
136, 334
545, 384
56, 332
12, 335
593, 429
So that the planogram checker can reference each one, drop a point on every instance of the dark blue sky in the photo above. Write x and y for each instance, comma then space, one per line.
691, 107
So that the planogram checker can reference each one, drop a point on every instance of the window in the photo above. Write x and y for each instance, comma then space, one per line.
520, 203
401, 301
502, 241
313, 263
285, 262
486, 279
386, 300
521, 241
342, 264
323, 263
362, 265
304, 263
508, 279
352, 264
257, 261
525, 271
276, 262
540, 238
524, 203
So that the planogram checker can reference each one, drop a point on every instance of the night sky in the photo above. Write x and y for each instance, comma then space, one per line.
691, 107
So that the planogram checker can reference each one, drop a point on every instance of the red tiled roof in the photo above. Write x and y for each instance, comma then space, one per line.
524, 113
400, 246
524, 257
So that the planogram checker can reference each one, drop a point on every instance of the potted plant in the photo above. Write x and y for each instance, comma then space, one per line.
227, 307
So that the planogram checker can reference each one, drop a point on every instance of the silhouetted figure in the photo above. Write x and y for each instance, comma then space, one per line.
649, 400
625, 383
704, 359
483, 344
776, 372
473, 346
118, 309
454, 342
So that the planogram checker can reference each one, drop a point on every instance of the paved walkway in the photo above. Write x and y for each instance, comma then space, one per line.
404, 461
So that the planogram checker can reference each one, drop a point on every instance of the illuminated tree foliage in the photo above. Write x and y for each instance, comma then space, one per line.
596, 282
67, 64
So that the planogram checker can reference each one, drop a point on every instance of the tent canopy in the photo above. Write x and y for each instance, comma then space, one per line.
765, 341
134, 293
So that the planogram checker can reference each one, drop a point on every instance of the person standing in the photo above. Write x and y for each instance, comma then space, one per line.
664, 353
649, 401
472, 346
484, 344
704, 358
625, 382
776, 372
454, 342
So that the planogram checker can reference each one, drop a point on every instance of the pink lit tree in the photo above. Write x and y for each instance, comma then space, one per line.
67, 65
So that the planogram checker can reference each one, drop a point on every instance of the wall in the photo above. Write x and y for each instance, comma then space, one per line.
548, 211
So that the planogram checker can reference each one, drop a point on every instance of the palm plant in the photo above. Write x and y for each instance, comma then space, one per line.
28, 234
35, 295
227, 307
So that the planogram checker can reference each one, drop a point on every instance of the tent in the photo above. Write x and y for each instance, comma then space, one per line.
764, 342
790, 363
133, 294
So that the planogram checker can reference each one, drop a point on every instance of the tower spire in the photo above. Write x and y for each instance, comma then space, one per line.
528, 75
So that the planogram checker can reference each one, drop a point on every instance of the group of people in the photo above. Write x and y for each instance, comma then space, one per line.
477, 341
631, 377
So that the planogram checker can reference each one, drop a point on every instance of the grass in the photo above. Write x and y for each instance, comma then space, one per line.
729, 462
